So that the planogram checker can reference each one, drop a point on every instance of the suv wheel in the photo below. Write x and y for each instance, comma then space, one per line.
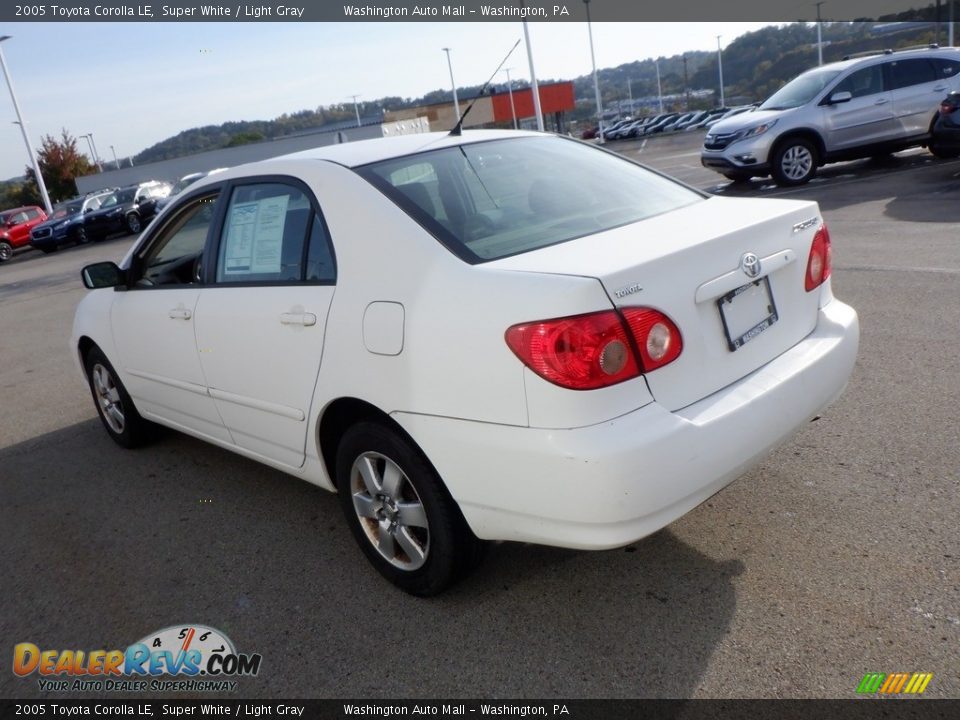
6, 251
399, 512
794, 162
133, 223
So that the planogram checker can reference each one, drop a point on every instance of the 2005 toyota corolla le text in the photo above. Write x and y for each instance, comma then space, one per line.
467, 344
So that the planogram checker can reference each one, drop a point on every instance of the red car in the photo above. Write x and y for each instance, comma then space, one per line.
15, 228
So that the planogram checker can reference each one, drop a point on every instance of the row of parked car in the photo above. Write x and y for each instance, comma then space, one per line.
669, 122
91, 217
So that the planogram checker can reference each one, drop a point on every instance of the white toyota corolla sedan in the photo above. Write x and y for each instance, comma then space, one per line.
493, 336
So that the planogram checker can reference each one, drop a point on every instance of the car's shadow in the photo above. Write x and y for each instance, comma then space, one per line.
103, 545
930, 195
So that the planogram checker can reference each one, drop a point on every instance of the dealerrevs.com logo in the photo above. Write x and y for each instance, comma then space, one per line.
200, 658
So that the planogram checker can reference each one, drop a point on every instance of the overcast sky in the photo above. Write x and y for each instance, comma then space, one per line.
133, 85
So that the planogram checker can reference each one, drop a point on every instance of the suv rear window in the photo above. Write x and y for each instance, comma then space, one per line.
493, 199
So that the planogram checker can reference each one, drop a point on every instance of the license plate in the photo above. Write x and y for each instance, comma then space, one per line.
746, 312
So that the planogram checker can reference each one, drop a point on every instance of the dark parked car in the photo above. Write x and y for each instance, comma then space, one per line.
126, 210
66, 224
15, 228
945, 140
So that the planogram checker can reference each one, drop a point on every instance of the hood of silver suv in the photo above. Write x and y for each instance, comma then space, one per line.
745, 120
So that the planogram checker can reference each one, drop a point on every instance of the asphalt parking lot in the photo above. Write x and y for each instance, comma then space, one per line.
836, 557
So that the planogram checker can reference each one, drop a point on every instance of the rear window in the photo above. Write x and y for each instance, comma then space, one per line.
489, 200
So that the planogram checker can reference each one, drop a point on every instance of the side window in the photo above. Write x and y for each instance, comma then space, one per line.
868, 81
904, 73
174, 256
946, 68
33, 214
264, 234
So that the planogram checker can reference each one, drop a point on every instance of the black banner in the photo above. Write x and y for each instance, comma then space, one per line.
463, 11
863, 709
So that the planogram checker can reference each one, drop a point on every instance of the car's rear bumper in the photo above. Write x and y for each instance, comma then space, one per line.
607, 485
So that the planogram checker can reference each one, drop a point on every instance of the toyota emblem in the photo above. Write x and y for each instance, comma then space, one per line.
750, 264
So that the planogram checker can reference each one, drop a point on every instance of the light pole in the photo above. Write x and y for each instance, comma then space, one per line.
656, 64
950, 24
723, 100
534, 87
596, 81
819, 40
456, 103
115, 161
356, 108
23, 129
93, 151
513, 108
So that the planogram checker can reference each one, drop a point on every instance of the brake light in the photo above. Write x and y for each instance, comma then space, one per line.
947, 107
820, 262
585, 352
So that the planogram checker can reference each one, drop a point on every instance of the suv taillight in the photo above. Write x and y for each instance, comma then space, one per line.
585, 352
820, 262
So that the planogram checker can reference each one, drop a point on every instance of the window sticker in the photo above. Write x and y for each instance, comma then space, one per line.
255, 236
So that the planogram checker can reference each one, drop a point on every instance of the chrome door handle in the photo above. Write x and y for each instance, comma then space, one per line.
305, 319
940, 88
179, 314
881, 101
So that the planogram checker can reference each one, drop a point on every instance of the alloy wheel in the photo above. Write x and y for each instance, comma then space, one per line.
108, 397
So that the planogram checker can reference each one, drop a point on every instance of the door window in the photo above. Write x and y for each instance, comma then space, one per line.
946, 68
867, 81
272, 234
174, 257
904, 73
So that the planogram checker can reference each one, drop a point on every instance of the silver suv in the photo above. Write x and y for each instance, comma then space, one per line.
869, 104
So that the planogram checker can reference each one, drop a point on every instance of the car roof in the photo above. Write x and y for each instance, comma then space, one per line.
362, 152
13, 211
883, 56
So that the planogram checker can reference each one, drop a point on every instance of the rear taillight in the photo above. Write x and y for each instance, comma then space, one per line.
820, 261
585, 352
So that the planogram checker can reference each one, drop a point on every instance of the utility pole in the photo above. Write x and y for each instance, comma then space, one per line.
596, 82
534, 87
513, 108
686, 88
356, 108
656, 64
723, 101
819, 38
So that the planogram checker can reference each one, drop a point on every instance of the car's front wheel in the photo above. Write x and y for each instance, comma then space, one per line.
400, 513
794, 162
6, 251
82, 237
114, 406
133, 223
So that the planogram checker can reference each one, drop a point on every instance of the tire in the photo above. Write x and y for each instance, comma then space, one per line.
944, 153
6, 251
400, 513
794, 162
114, 406
81, 236
133, 223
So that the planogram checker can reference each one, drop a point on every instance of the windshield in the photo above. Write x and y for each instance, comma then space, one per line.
183, 183
800, 90
71, 209
494, 199
125, 196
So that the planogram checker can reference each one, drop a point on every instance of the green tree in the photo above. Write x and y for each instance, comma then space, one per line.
60, 163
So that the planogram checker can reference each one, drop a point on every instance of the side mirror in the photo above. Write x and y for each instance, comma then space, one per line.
102, 275
840, 97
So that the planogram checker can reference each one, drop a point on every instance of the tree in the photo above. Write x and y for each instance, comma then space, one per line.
60, 163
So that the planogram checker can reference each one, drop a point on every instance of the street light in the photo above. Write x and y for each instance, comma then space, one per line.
659, 88
534, 86
93, 151
513, 108
116, 162
723, 101
456, 103
596, 81
356, 108
23, 129
819, 41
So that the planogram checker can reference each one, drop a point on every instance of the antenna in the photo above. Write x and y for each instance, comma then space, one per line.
458, 128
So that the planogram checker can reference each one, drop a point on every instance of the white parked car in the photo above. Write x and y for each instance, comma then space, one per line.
493, 336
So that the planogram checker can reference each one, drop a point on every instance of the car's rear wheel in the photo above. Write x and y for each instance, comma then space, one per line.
114, 406
400, 513
794, 162
944, 153
133, 223
6, 251
81, 236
